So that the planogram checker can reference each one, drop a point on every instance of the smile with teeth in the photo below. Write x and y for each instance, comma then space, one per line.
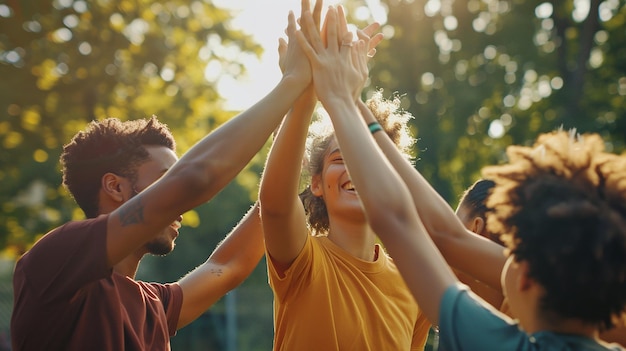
176, 225
348, 186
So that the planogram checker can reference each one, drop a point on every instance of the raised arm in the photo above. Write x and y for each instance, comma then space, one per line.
284, 221
203, 171
385, 197
228, 266
464, 250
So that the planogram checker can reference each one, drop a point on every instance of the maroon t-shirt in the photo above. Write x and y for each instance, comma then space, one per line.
66, 298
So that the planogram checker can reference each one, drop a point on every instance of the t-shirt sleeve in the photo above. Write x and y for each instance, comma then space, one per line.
171, 295
295, 275
66, 259
420, 332
466, 322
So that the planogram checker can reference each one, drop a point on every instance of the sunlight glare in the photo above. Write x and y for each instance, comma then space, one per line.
262, 73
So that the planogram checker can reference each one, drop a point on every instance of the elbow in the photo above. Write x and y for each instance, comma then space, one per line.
391, 216
235, 275
276, 202
193, 180
265, 196
391, 222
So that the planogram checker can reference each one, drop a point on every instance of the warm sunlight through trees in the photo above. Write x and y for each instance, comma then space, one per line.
478, 75
65, 62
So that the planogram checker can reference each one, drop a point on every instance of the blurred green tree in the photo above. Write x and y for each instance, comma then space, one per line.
66, 62
479, 75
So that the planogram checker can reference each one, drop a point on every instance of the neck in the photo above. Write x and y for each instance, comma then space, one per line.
128, 266
358, 239
563, 326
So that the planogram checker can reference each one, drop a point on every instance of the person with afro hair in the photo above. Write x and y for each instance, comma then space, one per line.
560, 206
473, 212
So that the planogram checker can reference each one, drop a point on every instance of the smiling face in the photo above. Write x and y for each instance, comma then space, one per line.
334, 185
161, 159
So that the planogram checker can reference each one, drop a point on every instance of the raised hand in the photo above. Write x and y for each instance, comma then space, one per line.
292, 61
337, 66
369, 35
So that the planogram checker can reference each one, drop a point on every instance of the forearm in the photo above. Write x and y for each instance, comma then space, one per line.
284, 221
242, 248
228, 266
281, 176
466, 251
219, 157
463, 250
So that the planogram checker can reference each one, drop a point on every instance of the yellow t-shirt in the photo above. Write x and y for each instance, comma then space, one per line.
330, 300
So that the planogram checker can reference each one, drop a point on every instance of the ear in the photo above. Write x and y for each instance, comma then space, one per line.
112, 187
316, 185
478, 225
524, 281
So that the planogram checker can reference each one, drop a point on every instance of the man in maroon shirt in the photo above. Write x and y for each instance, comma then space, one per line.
75, 289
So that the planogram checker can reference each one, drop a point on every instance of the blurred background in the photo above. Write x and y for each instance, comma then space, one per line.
477, 75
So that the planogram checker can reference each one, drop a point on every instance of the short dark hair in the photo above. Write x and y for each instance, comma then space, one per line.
474, 199
561, 206
394, 122
109, 145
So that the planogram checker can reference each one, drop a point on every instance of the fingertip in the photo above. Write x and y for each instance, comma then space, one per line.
340, 9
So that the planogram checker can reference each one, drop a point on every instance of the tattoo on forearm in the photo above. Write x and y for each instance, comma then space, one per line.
132, 213
217, 271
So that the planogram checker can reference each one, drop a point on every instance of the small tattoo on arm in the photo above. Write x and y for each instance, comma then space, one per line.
217, 271
132, 213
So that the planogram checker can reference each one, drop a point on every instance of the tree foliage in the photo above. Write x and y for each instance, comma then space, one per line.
479, 75
66, 62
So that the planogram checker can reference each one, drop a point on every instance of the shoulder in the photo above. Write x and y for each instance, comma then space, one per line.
465, 320
160, 290
70, 234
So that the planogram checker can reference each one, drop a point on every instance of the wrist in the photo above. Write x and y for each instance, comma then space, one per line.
293, 82
306, 100
374, 127
336, 97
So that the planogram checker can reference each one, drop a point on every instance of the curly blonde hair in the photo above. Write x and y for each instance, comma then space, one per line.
391, 117
560, 205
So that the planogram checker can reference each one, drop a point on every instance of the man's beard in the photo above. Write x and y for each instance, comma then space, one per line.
159, 246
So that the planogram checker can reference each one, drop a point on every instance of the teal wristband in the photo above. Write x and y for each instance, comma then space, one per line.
374, 127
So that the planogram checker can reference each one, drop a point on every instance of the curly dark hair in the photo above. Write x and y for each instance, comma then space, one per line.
109, 145
561, 206
394, 122
474, 199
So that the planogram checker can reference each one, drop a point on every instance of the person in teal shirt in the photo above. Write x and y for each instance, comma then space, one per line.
561, 203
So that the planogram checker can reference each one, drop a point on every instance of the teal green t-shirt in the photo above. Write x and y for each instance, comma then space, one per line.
468, 323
